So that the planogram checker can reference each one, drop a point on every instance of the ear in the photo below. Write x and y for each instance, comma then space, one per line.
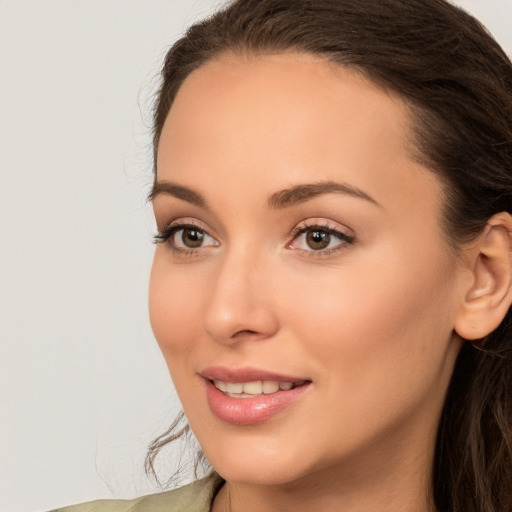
489, 295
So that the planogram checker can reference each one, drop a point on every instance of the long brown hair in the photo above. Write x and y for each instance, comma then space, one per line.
457, 82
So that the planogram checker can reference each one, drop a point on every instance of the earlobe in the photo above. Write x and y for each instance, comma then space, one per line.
489, 296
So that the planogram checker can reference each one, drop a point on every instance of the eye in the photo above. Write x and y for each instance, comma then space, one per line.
185, 238
190, 238
321, 239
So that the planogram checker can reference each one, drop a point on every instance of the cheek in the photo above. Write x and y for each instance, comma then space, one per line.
377, 318
377, 341
174, 308
175, 315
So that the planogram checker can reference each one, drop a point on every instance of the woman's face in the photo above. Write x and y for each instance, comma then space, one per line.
301, 247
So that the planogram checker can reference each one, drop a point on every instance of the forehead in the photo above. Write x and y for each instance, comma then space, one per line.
270, 92
282, 119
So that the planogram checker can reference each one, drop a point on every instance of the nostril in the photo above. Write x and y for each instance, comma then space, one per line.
245, 332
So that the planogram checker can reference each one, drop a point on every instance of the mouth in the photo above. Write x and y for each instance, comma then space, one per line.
254, 388
248, 396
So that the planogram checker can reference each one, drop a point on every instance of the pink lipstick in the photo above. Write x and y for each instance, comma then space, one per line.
248, 395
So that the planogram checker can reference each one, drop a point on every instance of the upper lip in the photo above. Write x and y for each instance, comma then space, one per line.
246, 374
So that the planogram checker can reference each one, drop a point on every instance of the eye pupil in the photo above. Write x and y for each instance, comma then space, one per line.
192, 237
317, 239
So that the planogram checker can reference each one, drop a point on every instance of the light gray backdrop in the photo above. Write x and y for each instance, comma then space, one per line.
83, 386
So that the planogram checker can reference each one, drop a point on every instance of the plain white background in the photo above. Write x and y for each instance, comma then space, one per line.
83, 386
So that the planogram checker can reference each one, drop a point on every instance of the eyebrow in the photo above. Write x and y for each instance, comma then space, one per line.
302, 193
283, 199
178, 191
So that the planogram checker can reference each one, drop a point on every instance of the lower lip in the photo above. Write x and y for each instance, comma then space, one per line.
247, 411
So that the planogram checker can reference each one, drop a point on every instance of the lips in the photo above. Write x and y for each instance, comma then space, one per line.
248, 395
246, 374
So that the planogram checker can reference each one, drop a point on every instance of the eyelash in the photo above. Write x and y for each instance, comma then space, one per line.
343, 237
169, 231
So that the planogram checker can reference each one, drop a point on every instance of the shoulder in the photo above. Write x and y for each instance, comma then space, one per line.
195, 497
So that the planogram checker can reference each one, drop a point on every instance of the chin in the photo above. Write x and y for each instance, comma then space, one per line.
251, 457
258, 472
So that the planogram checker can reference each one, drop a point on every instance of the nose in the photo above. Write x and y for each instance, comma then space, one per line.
240, 304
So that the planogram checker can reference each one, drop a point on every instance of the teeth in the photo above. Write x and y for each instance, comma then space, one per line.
219, 384
271, 386
253, 388
234, 387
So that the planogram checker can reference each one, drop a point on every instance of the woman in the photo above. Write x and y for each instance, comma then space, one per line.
332, 279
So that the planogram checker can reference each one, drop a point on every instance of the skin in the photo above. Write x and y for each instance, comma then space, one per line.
369, 322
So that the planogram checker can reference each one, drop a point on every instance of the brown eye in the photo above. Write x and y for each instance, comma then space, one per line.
191, 238
185, 238
318, 240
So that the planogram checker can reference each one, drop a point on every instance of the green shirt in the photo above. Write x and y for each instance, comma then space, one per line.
195, 497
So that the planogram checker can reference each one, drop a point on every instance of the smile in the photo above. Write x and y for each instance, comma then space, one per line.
254, 388
247, 396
